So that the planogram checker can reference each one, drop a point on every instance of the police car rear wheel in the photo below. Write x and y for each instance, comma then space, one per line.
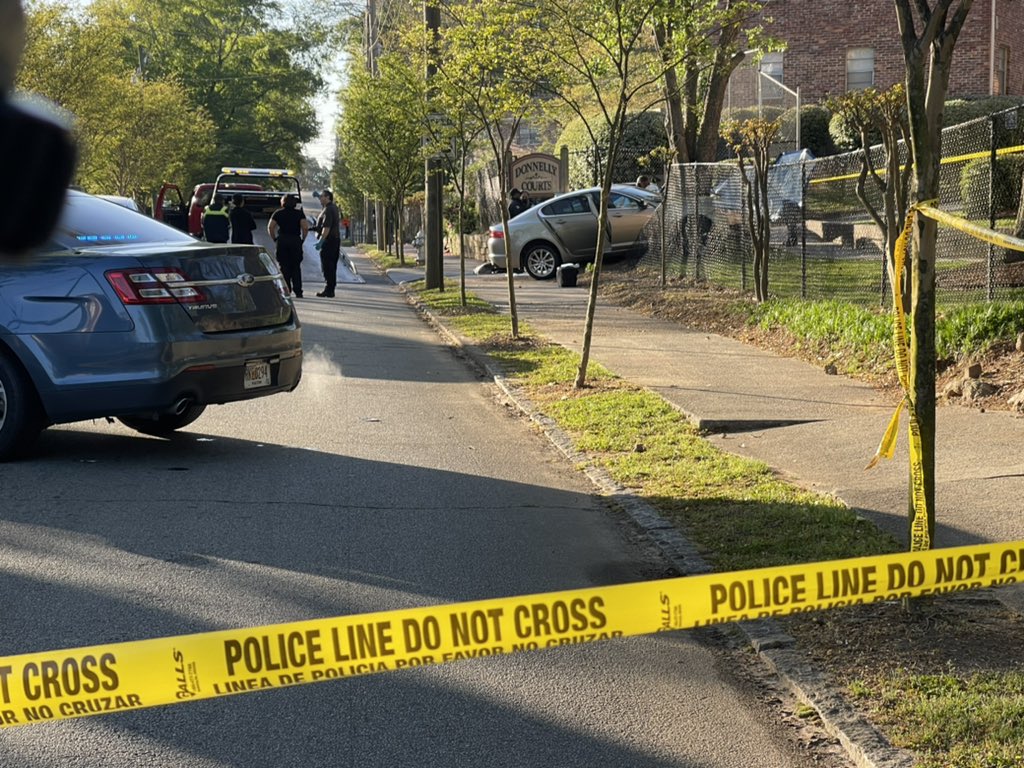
20, 413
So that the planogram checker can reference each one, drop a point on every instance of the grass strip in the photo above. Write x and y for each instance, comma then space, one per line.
951, 721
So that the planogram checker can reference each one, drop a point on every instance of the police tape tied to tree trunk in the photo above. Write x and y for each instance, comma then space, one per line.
919, 539
80, 682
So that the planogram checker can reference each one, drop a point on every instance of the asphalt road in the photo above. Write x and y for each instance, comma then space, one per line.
391, 478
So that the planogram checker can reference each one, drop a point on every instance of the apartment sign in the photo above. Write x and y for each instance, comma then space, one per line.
537, 174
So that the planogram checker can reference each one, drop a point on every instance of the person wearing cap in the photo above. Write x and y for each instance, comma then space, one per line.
517, 205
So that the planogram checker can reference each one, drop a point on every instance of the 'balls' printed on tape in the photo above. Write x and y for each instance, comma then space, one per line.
89, 681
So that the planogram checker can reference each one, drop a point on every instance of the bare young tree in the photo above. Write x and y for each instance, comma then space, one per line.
752, 142
883, 115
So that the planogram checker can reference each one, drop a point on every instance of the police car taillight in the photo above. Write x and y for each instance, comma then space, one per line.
164, 285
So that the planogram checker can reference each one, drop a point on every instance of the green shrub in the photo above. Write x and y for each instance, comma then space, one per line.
975, 327
958, 111
814, 128
470, 217
645, 132
845, 135
1006, 181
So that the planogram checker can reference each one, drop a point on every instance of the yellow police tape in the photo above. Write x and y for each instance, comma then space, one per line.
80, 682
920, 538
985, 153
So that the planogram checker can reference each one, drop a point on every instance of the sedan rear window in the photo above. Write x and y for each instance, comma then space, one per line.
90, 221
575, 204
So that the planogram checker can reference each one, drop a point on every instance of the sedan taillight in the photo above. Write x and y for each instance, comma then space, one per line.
497, 234
160, 285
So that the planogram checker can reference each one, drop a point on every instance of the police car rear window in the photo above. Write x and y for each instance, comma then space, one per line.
90, 221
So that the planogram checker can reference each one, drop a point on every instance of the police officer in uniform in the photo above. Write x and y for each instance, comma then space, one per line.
216, 221
288, 228
329, 242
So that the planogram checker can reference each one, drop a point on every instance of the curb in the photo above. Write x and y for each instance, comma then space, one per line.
864, 743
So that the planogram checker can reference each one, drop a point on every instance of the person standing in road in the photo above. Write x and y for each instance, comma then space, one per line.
328, 226
216, 221
288, 228
242, 222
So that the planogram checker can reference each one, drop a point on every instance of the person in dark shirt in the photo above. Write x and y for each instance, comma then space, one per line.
516, 206
216, 222
242, 222
328, 226
288, 228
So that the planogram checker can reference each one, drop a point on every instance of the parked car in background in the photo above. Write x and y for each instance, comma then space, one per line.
564, 230
122, 316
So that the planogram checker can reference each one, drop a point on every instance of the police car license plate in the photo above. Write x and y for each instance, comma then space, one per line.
257, 374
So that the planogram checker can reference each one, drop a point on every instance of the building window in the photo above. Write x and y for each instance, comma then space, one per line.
1000, 87
771, 65
860, 68
527, 136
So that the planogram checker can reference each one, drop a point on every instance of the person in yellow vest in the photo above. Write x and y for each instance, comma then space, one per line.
216, 221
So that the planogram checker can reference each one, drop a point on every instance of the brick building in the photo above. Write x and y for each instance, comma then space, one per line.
840, 45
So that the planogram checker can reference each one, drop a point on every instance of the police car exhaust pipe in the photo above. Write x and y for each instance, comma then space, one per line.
181, 406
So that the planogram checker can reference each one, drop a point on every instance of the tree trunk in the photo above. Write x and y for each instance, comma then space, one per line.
928, 61
614, 143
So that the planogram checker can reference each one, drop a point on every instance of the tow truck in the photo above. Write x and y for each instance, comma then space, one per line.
271, 183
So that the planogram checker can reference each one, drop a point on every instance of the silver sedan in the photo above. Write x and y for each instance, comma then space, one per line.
564, 229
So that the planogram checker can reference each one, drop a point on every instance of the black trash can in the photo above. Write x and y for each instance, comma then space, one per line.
565, 275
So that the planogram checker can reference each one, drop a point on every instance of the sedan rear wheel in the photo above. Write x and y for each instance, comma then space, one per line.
541, 260
164, 424
20, 414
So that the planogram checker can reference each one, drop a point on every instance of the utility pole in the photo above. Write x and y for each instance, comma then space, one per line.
372, 54
433, 229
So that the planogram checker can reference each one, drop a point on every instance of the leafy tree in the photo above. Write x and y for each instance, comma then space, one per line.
346, 191
381, 127
239, 60
488, 60
607, 74
871, 113
752, 142
701, 43
644, 133
151, 123
928, 32
455, 141
133, 134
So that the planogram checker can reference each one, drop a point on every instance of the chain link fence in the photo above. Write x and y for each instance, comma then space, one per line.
824, 245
